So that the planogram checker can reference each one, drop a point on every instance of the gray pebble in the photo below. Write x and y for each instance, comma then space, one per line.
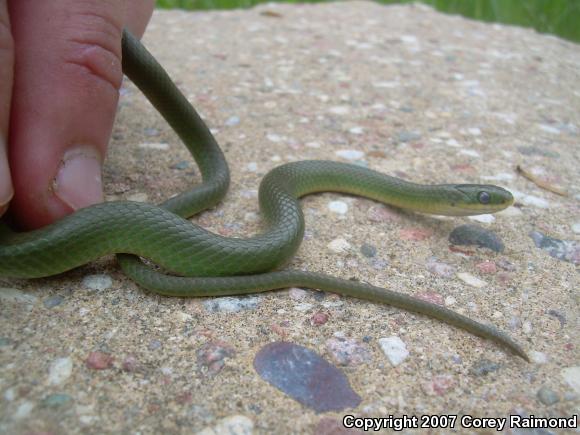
558, 315
151, 132
201, 413
53, 301
547, 396
368, 250
565, 250
505, 265
56, 400
232, 120
514, 323
233, 226
13, 295
408, 136
348, 351
361, 163
379, 263
231, 304
154, 344
456, 359
475, 235
319, 296
230, 425
184, 164
484, 367
98, 282
535, 151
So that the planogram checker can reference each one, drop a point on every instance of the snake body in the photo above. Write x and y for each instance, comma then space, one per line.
205, 264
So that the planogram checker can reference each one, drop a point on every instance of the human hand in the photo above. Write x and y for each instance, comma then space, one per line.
60, 72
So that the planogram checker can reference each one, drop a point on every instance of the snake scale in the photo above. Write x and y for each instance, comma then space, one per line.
200, 263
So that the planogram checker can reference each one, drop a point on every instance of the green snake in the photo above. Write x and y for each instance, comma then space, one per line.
200, 263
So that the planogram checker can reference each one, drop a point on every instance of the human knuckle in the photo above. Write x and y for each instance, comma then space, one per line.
94, 47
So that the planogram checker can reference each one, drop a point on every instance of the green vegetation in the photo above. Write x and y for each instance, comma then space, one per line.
560, 17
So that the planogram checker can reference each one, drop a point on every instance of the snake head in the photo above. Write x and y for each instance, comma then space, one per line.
473, 199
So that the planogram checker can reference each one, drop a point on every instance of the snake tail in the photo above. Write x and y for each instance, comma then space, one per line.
237, 285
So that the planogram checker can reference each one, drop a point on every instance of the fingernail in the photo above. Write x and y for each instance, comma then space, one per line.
6, 191
78, 182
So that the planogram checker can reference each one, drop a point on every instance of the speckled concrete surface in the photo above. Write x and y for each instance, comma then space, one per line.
402, 89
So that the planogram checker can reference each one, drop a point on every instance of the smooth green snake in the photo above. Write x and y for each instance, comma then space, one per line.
201, 263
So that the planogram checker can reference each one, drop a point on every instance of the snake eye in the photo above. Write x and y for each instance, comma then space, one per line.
483, 197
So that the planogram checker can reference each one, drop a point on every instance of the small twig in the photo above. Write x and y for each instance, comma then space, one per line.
543, 184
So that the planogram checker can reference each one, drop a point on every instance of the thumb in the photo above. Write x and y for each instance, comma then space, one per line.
66, 80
